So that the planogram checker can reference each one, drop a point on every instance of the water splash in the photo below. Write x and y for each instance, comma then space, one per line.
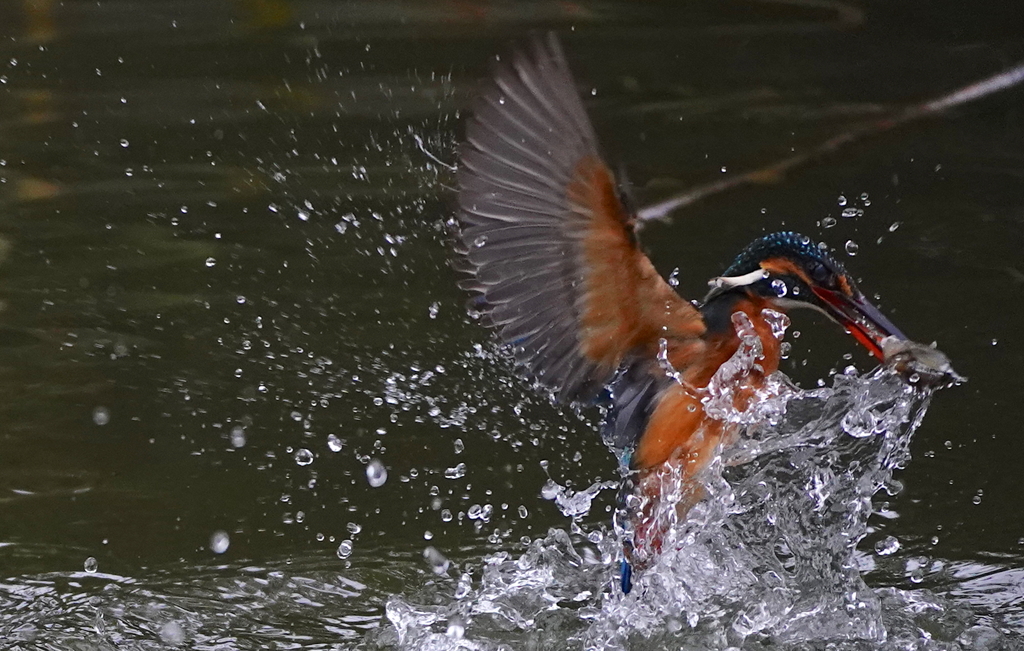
768, 558
574, 504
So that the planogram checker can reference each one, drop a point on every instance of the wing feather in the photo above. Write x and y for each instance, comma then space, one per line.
553, 258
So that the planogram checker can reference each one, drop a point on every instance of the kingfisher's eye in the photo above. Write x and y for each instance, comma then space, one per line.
819, 273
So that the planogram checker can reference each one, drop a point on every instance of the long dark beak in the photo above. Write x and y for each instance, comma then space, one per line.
860, 318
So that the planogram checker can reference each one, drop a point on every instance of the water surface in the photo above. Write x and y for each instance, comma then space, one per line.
224, 241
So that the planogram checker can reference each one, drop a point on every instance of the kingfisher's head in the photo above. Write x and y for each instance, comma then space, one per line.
789, 270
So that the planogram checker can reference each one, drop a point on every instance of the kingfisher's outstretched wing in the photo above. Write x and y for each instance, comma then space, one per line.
551, 249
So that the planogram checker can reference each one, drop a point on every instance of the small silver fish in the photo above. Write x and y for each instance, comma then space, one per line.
920, 364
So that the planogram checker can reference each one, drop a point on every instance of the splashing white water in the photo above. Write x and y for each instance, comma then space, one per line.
768, 558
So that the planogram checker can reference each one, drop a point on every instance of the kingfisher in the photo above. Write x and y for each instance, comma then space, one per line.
554, 265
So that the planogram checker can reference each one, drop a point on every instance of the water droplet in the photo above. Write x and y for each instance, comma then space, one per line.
303, 215
777, 321
977, 498
438, 563
101, 415
828, 222
724, 170
779, 287
434, 308
334, 443
673, 278
523, 512
219, 542
464, 586
842, 200
852, 247
983, 638
456, 629
550, 490
376, 473
851, 212
916, 567
455, 472
124, 143
480, 241
172, 634
91, 565
459, 446
303, 457
237, 436
211, 262
893, 226
887, 546
345, 549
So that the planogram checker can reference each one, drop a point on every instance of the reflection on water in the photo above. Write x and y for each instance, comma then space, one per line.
226, 296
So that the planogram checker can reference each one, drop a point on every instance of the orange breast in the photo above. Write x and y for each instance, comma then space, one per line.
681, 440
678, 428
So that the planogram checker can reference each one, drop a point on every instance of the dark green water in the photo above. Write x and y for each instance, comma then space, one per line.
222, 215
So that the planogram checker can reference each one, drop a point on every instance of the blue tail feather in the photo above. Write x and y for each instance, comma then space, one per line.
626, 577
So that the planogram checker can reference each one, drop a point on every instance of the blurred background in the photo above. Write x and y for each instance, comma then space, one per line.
226, 287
